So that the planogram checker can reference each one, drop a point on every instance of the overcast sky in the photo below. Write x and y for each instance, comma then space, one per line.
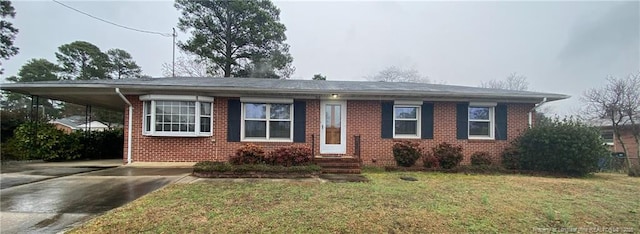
562, 47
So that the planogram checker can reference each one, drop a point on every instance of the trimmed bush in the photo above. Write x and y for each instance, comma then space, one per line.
561, 146
49, 143
43, 141
248, 154
481, 158
290, 156
511, 158
208, 166
448, 156
430, 161
101, 145
406, 153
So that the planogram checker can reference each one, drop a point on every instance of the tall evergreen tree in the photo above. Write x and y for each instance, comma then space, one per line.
242, 38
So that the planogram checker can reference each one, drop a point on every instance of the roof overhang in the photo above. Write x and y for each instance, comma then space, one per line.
104, 94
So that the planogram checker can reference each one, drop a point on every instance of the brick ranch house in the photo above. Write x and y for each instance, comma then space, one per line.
196, 119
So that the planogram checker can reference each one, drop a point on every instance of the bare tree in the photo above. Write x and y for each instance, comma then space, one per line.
189, 65
396, 74
619, 103
514, 81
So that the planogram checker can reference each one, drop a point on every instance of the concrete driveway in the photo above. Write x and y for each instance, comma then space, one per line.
52, 199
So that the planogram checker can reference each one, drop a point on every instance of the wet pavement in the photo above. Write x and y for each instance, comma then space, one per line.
33, 175
63, 197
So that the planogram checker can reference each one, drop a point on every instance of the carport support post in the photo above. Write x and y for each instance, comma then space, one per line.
34, 130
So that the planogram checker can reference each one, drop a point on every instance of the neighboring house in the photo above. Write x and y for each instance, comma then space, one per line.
77, 123
626, 137
195, 119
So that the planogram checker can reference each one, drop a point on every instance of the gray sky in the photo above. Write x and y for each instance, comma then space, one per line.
562, 47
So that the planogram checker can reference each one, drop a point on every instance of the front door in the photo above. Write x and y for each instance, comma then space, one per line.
333, 127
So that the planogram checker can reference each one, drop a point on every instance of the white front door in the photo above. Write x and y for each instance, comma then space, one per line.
333, 127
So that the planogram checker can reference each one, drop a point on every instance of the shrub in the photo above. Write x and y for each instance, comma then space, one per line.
634, 170
44, 141
101, 145
561, 146
406, 153
208, 166
430, 161
448, 156
481, 158
511, 158
248, 154
290, 156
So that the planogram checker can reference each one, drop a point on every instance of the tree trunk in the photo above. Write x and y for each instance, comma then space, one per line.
616, 131
635, 131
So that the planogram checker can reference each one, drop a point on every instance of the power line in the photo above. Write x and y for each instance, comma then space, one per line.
115, 24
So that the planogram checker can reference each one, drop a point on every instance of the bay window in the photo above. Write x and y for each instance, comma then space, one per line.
174, 115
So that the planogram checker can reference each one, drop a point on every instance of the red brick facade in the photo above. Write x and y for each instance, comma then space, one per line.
626, 137
363, 119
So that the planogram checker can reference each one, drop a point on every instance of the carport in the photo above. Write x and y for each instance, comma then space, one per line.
88, 95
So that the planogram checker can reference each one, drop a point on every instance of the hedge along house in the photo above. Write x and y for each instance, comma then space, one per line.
196, 119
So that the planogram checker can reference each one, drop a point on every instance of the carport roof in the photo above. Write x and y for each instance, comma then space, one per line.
102, 92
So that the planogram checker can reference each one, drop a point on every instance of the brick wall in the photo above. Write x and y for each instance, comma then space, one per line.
629, 142
193, 149
363, 118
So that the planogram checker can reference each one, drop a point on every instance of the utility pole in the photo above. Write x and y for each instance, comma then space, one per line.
173, 64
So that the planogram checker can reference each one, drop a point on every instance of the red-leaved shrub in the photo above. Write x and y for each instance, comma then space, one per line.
406, 153
290, 156
430, 161
481, 158
448, 155
248, 154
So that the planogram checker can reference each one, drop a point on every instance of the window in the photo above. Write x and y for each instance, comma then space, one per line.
166, 115
481, 122
607, 137
267, 121
406, 121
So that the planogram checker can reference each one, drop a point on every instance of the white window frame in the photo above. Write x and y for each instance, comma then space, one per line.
491, 121
197, 100
268, 120
418, 120
613, 137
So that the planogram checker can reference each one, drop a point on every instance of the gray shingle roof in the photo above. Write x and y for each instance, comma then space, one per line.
253, 86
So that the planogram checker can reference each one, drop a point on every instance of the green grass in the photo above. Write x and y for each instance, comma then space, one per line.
438, 202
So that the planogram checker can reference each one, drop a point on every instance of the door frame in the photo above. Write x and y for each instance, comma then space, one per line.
342, 147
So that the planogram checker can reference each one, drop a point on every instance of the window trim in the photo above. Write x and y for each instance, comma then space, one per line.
198, 100
613, 137
268, 121
418, 120
491, 121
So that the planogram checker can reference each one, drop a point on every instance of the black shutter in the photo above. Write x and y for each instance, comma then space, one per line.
426, 124
462, 120
233, 120
387, 119
501, 122
299, 120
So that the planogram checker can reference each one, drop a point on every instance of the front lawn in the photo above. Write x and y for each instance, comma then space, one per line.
438, 202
